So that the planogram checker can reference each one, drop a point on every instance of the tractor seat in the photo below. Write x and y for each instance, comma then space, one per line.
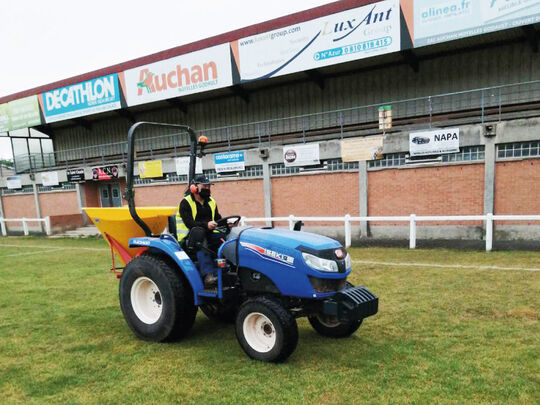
172, 226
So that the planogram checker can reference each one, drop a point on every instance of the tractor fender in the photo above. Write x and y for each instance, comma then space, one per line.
169, 247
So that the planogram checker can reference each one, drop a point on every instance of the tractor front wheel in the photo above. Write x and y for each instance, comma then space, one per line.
266, 330
331, 327
156, 301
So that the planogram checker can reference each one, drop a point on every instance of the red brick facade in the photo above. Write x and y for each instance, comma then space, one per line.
58, 203
517, 189
445, 190
19, 206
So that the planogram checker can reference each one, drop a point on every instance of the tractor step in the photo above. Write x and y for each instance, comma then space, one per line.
208, 292
213, 292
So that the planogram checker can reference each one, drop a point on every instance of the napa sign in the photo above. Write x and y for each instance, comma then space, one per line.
90, 97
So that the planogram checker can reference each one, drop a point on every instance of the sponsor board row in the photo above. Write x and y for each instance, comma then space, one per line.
432, 142
353, 34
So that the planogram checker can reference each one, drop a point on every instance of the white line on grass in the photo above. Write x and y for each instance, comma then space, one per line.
35, 253
52, 247
446, 266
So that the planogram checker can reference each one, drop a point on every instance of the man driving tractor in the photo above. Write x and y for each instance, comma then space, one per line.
197, 215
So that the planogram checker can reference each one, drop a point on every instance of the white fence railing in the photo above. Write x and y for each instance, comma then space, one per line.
411, 219
25, 221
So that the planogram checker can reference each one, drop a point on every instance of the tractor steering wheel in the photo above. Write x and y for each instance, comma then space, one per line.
223, 223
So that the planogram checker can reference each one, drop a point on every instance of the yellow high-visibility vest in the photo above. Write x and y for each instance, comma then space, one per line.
181, 229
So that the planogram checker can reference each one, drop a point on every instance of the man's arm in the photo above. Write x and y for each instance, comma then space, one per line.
187, 216
217, 215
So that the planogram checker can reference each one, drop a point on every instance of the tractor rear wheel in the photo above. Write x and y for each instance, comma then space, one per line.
266, 330
156, 301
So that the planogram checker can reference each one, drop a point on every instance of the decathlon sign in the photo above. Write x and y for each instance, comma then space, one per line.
90, 97
194, 72
434, 142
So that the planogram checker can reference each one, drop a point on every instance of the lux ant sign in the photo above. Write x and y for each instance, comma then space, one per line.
434, 142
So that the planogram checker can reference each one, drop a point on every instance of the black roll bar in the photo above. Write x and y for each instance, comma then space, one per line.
129, 195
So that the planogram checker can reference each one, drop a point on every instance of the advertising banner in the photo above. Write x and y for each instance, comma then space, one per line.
230, 161
90, 97
301, 155
446, 20
434, 142
75, 175
13, 182
150, 169
182, 166
194, 72
356, 149
345, 36
23, 113
49, 178
105, 172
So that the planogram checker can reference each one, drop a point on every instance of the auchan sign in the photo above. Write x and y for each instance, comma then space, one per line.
194, 72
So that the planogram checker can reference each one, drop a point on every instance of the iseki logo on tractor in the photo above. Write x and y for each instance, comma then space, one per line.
270, 254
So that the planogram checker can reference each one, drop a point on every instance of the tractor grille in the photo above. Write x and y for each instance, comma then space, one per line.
324, 285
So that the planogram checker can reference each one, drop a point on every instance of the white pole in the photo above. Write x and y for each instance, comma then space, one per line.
48, 225
291, 222
347, 230
489, 232
412, 232
25, 226
3, 226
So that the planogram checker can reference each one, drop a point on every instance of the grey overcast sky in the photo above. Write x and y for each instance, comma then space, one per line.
46, 41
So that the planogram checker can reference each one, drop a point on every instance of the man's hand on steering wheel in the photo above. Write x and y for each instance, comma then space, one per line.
224, 225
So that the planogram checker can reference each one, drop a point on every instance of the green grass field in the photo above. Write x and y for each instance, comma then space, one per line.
442, 335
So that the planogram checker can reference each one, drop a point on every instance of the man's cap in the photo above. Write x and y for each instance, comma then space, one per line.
201, 179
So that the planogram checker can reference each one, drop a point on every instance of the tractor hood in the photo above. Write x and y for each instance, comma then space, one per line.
278, 255
272, 237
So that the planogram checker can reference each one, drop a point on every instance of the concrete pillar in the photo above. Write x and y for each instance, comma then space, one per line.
38, 206
489, 176
267, 186
1, 206
363, 196
81, 201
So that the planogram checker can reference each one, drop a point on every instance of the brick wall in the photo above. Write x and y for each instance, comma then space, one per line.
517, 189
316, 195
19, 206
91, 194
159, 195
448, 190
58, 203
240, 197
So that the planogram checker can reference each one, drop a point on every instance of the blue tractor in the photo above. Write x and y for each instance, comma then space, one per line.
266, 278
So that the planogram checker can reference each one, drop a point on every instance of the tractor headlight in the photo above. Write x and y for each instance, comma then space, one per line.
348, 261
320, 264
